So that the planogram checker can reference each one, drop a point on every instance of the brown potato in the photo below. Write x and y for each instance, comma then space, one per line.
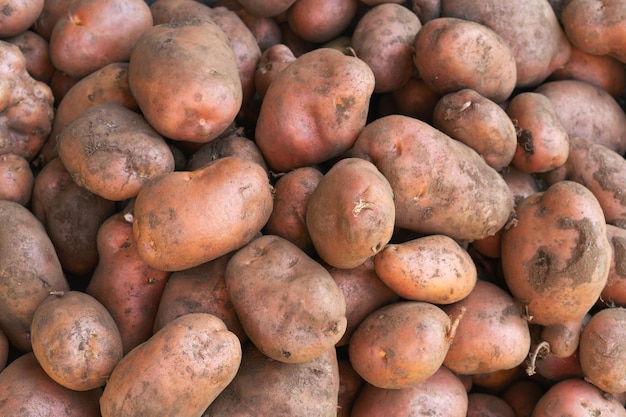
350, 215
415, 99
75, 340
16, 179
448, 190
320, 21
401, 344
179, 371
302, 313
50, 13
530, 28
273, 60
100, 33
481, 404
306, 118
227, 145
18, 15
29, 271
350, 384
264, 28
112, 151
288, 389
37, 55
480, 123
177, 101
454, 54
26, 390
614, 292
542, 140
493, 334
556, 260
186, 218
442, 394
387, 48
433, 268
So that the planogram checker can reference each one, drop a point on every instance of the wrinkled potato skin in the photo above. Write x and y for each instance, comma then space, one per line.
29, 270
185, 365
17, 179
18, 15
26, 390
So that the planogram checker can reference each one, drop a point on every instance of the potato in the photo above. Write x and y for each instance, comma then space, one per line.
522, 395
128, 288
350, 215
480, 404
401, 344
26, 109
168, 11
454, 54
97, 40
16, 179
50, 13
480, 123
364, 293
530, 28
113, 151
228, 145
321, 21
26, 390
186, 218
350, 384
71, 215
442, 394
18, 15
60, 84
614, 292
496, 381
433, 268
440, 185
177, 101
596, 30
564, 398
179, 371
542, 140
264, 28
552, 367
302, 313
288, 389
273, 60
75, 340
556, 260
415, 99
37, 55
292, 192
314, 109
29, 271
387, 48
587, 111
493, 334
201, 289
600, 353
108, 84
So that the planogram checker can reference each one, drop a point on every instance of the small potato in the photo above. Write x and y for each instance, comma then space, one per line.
288, 304
481, 404
350, 215
36, 52
614, 292
16, 179
441, 394
287, 389
112, 151
75, 340
350, 384
522, 395
186, 218
18, 15
415, 99
265, 29
542, 140
434, 268
100, 32
227, 145
401, 344
26, 390
320, 21
454, 54
480, 123
273, 60
387, 48
179, 371
50, 13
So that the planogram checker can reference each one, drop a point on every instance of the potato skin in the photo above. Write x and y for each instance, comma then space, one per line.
185, 365
29, 271
75, 340
189, 106
18, 16
321, 21
37, 55
302, 313
16, 179
186, 218
614, 292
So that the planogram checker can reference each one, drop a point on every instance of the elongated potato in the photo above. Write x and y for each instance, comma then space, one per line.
186, 218
179, 371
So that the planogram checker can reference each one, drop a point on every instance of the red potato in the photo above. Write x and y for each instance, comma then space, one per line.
426, 9
4, 350
433, 268
36, 52
320, 21
16, 179
441, 395
387, 48
50, 13
265, 29
60, 84
577, 398
556, 259
493, 334
542, 140
522, 395
128, 288
614, 292
350, 384
530, 28
269, 8
273, 60
481, 404
18, 15
552, 367
415, 99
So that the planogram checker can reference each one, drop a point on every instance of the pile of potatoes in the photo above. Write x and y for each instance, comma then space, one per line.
345, 208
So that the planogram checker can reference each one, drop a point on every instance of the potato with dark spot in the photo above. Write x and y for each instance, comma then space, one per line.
16, 16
